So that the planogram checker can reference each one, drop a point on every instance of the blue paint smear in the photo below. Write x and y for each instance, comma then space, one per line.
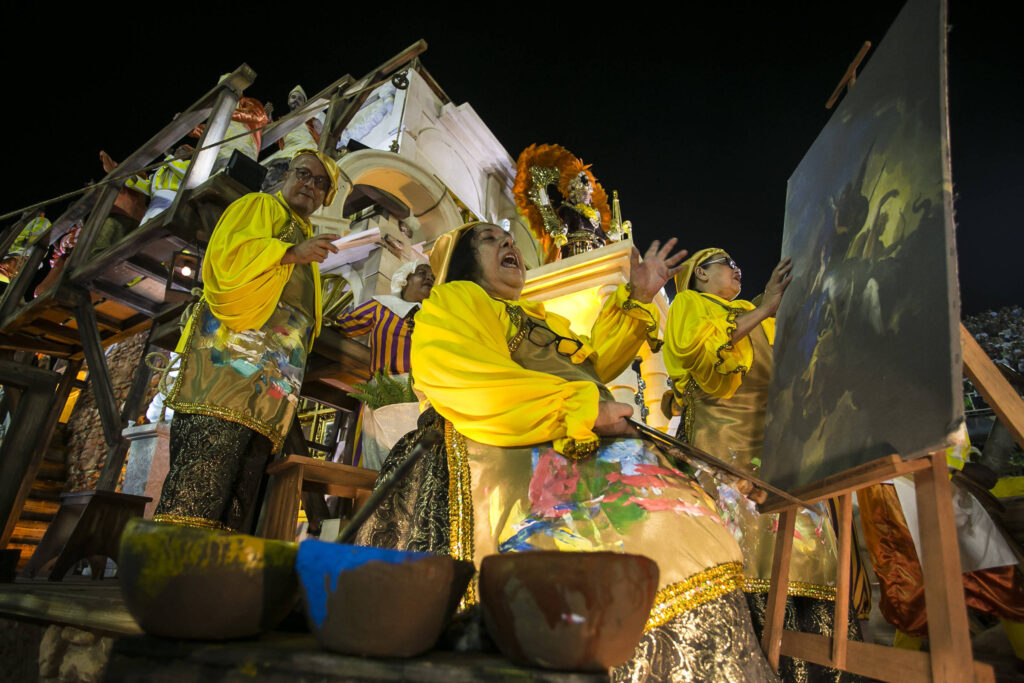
210, 323
317, 559
244, 367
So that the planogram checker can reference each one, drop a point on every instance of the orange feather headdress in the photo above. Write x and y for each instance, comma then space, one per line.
552, 165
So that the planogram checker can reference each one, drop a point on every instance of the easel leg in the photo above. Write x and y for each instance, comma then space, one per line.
771, 640
948, 632
840, 623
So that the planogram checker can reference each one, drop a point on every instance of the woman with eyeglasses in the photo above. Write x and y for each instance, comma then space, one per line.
547, 460
718, 352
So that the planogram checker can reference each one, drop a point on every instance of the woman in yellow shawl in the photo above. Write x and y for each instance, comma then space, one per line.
537, 454
244, 349
718, 351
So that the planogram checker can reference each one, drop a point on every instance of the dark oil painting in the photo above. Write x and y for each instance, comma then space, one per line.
867, 357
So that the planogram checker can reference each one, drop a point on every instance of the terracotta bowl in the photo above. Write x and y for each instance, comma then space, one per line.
180, 582
376, 602
572, 611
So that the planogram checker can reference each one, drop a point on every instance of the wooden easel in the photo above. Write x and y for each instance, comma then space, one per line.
950, 657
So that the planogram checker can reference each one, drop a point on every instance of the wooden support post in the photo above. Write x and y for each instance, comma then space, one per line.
840, 623
948, 631
93, 224
103, 390
199, 170
993, 387
771, 640
116, 454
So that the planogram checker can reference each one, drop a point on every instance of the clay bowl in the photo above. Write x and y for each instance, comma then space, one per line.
573, 611
180, 582
376, 602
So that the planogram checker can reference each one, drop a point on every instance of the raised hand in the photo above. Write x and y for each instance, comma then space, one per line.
776, 287
647, 277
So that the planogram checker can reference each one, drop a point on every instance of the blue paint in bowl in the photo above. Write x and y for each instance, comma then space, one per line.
317, 559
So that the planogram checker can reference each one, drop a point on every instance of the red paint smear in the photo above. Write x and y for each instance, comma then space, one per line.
275, 391
553, 482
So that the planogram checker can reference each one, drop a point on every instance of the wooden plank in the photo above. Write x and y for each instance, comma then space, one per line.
840, 622
948, 632
90, 606
771, 640
878, 662
326, 472
846, 482
993, 387
62, 333
36, 344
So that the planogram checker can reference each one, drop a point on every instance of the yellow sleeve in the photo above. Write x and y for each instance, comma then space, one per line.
621, 327
698, 344
461, 362
242, 273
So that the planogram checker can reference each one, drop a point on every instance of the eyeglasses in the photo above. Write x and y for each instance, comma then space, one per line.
725, 260
542, 336
320, 182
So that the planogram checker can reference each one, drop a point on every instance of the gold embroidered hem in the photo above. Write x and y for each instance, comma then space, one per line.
698, 589
193, 522
276, 438
798, 588
460, 505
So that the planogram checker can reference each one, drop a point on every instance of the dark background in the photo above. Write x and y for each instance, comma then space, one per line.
697, 117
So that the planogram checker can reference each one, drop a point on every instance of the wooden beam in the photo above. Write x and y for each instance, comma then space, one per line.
848, 481
123, 295
22, 342
62, 333
103, 390
133, 403
850, 77
993, 386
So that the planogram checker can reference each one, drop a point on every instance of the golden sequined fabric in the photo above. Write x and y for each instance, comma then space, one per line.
711, 643
809, 615
215, 472
414, 516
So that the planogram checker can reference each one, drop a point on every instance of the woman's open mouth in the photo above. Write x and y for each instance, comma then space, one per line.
510, 261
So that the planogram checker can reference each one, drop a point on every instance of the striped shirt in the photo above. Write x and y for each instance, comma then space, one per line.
390, 334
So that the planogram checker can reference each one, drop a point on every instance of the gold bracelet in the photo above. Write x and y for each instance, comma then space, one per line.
578, 450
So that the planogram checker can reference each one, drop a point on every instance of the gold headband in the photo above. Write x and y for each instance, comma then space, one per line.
683, 276
332, 171
441, 254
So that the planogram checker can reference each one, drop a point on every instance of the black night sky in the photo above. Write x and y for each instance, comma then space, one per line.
696, 114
